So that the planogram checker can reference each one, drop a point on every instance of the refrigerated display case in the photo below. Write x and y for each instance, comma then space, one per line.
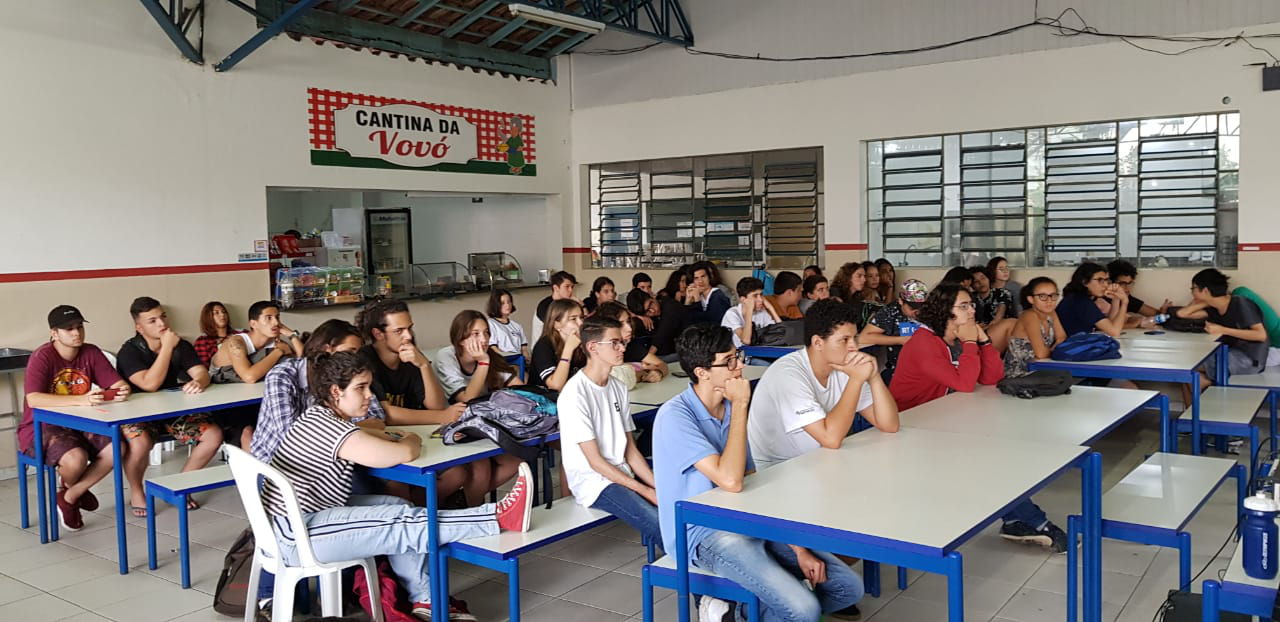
497, 269
390, 248
441, 277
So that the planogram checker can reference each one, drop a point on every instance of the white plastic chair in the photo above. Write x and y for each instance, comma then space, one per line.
266, 556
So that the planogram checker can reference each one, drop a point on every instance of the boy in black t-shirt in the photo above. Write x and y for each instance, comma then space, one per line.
1236, 319
562, 284
157, 359
1125, 274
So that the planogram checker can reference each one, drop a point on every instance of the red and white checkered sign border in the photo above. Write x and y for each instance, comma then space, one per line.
491, 125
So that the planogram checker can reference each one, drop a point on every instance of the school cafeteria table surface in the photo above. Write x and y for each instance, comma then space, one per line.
1079, 417
1139, 361
657, 393
905, 510
106, 420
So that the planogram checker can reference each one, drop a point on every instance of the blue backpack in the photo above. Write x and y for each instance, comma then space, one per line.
1087, 347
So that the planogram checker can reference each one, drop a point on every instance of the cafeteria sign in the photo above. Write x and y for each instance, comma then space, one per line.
368, 131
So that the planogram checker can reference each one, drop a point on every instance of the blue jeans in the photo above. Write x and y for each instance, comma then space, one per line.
633, 509
769, 570
1028, 514
384, 525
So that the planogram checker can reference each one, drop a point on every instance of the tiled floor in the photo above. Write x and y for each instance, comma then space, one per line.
595, 576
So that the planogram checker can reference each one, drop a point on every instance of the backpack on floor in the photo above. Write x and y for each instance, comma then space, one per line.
1042, 383
232, 593
508, 418
1087, 347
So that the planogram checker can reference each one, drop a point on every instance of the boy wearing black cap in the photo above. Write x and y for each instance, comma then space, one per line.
68, 372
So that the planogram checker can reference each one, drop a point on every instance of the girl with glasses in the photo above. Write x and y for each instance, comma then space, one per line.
1037, 332
1079, 309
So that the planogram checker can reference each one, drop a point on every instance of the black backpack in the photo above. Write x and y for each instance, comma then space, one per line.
1045, 382
232, 593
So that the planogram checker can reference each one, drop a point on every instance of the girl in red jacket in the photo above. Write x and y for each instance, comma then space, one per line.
952, 353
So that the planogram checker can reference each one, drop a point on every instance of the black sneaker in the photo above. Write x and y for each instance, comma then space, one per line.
848, 613
1050, 536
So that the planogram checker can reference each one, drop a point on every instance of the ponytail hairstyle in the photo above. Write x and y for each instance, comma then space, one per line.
326, 370
460, 329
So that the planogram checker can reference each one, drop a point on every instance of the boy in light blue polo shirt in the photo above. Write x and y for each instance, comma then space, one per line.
700, 442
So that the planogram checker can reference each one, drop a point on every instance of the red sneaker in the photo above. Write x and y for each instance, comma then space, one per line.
422, 611
514, 509
69, 513
88, 502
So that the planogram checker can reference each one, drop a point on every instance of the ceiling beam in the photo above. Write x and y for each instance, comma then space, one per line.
501, 33
416, 12
172, 27
266, 34
461, 24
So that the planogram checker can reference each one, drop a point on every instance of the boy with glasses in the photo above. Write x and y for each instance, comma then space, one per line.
603, 467
700, 443
1123, 275
809, 398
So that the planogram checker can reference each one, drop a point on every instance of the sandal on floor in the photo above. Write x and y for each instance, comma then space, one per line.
192, 504
139, 512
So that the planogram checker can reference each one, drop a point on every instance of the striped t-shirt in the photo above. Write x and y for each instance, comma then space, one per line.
308, 458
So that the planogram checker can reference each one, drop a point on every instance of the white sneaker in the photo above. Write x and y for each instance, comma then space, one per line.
715, 610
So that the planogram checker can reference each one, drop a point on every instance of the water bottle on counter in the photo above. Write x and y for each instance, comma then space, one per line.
1259, 536
286, 292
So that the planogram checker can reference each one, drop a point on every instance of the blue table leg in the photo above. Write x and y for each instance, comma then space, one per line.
513, 590
646, 595
1091, 515
1167, 434
183, 553
437, 583
955, 587
872, 579
41, 499
117, 477
1209, 602
1242, 491
1195, 413
1073, 536
151, 531
1271, 401
682, 564
1184, 561
1223, 373
902, 578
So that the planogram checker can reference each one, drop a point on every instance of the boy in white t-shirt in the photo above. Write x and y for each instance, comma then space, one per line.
809, 398
751, 304
603, 467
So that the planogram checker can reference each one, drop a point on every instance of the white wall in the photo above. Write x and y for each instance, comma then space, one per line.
446, 229
103, 116
1081, 84
834, 27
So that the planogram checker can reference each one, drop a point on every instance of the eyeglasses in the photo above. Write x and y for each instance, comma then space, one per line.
1101, 279
1047, 297
616, 344
965, 306
738, 360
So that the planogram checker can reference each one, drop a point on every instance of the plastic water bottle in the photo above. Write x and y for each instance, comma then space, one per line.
286, 293
1259, 536
1161, 318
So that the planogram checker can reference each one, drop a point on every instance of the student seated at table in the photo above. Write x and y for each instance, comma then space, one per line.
642, 282
1079, 310
706, 299
1236, 319
1038, 330
1001, 279
556, 356
247, 357
949, 353
1124, 275
809, 398
470, 367
753, 306
993, 303
813, 289
847, 286
643, 359
700, 443
787, 295
871, 283
215, 325
888, 280
157, 359
562, 285
602, 290
403, 380
649, 324
894, 324
604, 468
318, 456
958, 275
811, 270
66, 371
505, 333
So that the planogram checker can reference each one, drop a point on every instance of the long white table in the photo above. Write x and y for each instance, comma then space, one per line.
657, 393
1141, 360
1079, 417
106, 420
905, 510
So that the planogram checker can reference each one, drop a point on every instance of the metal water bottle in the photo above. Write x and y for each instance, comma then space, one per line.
1259, 536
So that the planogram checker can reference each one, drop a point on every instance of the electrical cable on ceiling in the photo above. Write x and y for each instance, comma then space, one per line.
1055, 24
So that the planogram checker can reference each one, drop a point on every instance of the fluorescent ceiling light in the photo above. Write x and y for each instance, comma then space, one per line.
555, 18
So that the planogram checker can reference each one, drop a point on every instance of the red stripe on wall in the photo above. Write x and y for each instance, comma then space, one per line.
576, 250
846, 247
1259, 246
64, 275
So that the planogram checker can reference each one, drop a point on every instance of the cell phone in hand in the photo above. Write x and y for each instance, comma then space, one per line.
395, 436
109, 394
